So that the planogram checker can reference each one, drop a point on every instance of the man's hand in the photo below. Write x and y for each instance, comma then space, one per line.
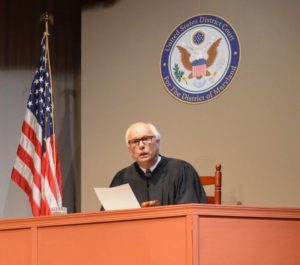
150, 203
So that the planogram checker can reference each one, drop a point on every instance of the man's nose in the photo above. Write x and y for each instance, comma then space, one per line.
141, 144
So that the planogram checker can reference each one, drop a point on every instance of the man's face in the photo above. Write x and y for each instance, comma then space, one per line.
143, 146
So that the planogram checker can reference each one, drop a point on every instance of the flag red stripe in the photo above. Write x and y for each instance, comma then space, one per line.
23, 184
31, 135
57, 164
28, 161
45, 208
47, 172
21, 181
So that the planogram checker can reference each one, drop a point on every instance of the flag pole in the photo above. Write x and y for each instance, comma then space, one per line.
45, 17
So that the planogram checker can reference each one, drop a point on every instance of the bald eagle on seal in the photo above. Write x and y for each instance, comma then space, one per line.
199, 66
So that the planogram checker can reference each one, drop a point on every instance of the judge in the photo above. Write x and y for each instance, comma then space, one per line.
155, 179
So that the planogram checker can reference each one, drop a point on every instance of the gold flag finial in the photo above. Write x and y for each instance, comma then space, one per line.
45, 17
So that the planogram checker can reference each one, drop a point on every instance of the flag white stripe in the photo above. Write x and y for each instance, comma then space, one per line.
30, 149
51, 198
32, 121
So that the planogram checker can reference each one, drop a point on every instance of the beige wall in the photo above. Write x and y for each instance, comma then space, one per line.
252, 129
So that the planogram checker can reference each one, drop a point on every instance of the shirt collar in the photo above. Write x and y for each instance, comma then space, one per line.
154, 166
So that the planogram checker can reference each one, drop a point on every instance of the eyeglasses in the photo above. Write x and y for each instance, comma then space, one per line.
147, 139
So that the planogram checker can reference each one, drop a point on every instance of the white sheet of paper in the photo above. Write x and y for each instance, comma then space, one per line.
117, 198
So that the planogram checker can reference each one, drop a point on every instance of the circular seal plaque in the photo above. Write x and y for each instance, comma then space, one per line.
200, 59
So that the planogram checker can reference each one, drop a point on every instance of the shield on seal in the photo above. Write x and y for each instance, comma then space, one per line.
199, 67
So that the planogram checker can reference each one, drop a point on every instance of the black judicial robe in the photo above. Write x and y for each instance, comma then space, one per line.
173, 181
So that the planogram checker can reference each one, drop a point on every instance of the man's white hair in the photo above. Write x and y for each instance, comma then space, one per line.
151, 126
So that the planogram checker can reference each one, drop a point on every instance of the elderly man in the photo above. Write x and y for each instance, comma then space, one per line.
156, 179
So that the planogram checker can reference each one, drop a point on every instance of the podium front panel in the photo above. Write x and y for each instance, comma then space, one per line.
16, 247
134, 242
248, 241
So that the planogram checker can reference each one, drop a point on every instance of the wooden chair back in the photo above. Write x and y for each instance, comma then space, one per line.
215, 180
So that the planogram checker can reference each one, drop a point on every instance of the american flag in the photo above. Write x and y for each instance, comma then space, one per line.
37, 166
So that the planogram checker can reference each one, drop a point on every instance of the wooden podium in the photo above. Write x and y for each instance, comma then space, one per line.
189, 234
